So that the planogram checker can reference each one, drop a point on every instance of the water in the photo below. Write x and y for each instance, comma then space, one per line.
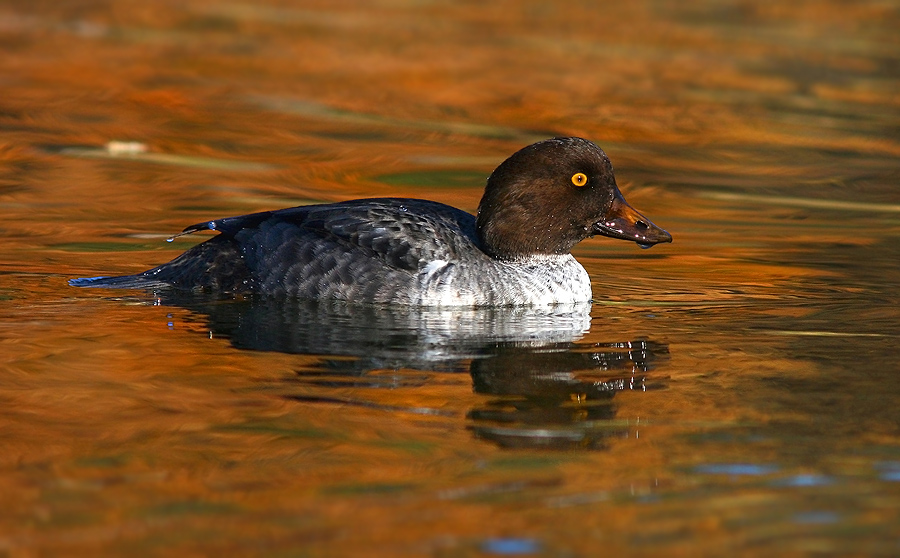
735, 392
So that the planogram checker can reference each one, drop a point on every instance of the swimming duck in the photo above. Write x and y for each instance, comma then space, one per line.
537, 205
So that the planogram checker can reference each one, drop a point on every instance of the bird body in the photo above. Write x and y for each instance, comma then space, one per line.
537, 205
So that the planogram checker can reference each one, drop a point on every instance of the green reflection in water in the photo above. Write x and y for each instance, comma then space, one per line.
103, 247
374, 488
311, 109
165, 159
435, 178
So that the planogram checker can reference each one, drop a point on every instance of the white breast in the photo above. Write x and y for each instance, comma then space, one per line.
536, 281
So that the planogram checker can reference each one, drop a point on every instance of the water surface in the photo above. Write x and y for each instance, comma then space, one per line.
737, 391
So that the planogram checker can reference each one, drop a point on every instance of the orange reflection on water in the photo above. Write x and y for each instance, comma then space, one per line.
762, 136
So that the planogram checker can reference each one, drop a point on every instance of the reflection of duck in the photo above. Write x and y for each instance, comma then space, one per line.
382, 336
546, 389
537, 205
559, 396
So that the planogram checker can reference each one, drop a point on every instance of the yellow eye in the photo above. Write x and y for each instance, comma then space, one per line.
579, 179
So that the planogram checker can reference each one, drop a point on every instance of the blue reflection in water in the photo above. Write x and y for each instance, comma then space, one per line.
817, 517
804, 480
510, 546
890, 471
737, 469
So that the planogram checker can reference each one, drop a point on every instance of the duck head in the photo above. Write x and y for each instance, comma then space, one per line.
551, 195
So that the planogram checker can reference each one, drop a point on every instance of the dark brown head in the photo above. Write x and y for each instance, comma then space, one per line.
551, 195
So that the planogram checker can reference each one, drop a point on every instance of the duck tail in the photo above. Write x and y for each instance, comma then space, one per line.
139, 281
214, 265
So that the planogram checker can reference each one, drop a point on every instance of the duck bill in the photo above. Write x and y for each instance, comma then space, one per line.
624, 222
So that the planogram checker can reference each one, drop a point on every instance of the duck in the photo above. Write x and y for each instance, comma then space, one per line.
516, 251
